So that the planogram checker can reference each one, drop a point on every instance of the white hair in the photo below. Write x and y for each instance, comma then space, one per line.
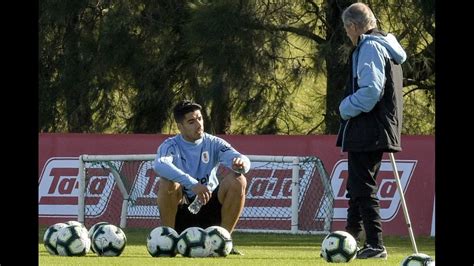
360, 15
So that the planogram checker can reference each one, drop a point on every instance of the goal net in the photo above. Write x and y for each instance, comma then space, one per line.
285, 194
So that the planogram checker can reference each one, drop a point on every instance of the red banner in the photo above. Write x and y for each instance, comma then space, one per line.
58, 166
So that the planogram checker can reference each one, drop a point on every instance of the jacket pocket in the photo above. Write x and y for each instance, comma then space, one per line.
363, 130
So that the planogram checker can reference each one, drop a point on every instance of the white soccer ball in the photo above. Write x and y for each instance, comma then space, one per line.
93, 229
51, 236
73, 240
76, 223
418, 259
221, 241
194, 242
339, 246
161, 242
109, 240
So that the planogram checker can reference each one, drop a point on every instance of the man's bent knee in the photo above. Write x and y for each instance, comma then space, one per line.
236, 181
169, 190
233, 184
242, 181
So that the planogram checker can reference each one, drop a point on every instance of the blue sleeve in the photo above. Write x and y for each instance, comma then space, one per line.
226, 153
164, 166
370, 80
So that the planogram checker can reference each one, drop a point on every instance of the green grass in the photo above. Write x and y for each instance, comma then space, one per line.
259, 249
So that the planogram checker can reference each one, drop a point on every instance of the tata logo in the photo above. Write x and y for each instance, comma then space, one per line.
144, 194
59, 189
269, 190
387, 187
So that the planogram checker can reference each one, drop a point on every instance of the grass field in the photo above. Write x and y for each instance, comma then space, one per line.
259, 249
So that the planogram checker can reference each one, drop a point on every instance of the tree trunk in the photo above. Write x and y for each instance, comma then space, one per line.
75, 86
221, 107
336, 63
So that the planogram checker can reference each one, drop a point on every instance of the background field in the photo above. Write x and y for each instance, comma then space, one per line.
259, 249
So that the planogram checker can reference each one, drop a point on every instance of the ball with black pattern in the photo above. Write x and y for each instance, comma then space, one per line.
418, 259
93, 229
339, 246
161, 242
109, 240
73, 241
51, 236
221, 241
194, 242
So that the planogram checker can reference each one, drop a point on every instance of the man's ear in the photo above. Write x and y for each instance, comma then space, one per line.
180, 126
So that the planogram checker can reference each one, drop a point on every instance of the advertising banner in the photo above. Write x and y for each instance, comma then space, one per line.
268, 197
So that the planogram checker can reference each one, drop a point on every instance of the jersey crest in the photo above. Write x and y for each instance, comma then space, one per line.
205, 157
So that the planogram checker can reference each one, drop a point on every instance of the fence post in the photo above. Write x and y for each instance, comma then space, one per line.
295, 190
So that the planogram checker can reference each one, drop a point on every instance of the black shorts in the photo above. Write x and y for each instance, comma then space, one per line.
210, 214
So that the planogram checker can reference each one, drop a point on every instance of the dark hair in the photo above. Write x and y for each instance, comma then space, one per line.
184, 107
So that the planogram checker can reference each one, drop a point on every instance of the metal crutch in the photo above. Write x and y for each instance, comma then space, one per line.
404, 205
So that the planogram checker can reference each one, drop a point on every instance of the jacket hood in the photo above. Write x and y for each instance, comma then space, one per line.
390, 43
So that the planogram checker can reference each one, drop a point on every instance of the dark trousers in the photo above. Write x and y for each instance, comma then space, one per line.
364, 207
210, 214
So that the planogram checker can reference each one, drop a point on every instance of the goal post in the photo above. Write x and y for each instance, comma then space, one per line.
285, 194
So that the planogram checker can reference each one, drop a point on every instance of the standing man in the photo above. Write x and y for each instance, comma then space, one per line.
371, 113
187, 165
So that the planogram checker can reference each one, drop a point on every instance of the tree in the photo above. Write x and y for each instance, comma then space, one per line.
119, 66
73, 76
320, 22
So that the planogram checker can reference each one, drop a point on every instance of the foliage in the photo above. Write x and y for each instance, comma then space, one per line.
258, 67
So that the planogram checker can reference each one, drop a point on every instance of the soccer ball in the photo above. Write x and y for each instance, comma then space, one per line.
418, 259
161, 242
194, 242
221, 241
339, 246
93, 229
51, 236
73, 241
109, 240
75, 223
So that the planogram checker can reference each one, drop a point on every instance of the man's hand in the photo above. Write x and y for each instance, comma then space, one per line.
238, 165
202, 192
